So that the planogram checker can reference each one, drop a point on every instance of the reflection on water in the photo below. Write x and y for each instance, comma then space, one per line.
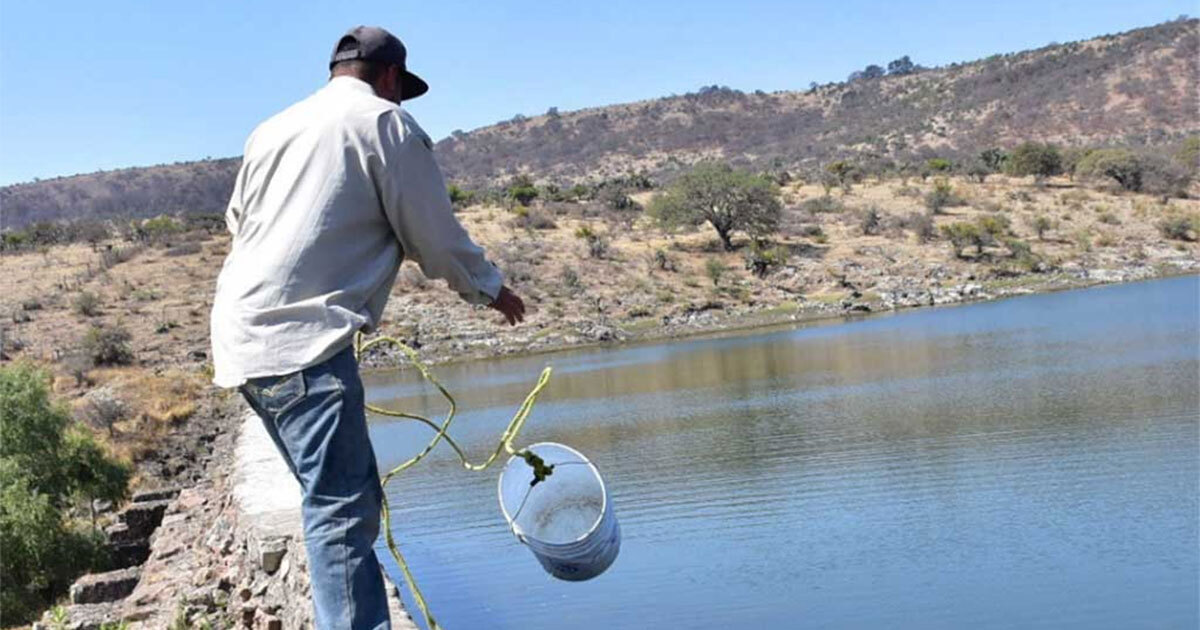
1031, 462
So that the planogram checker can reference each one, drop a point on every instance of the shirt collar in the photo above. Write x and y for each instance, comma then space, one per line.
351, 83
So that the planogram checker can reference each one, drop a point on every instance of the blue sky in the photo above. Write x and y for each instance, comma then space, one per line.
100, 85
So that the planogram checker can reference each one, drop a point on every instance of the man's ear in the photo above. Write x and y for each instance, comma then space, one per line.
397, 82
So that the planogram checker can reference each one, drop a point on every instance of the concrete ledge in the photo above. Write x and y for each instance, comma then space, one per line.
268, 496
268, 501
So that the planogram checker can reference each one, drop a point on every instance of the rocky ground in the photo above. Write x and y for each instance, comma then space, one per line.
192, 565
191, 556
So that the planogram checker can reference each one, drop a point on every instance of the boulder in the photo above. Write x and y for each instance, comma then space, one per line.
271, 552
129, 554
97, 588
119, 533
143, 518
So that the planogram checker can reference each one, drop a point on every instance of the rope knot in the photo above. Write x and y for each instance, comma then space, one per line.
540, 469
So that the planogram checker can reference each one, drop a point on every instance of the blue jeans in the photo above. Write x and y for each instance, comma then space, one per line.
317, 421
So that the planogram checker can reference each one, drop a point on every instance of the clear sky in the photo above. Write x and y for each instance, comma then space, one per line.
89, 85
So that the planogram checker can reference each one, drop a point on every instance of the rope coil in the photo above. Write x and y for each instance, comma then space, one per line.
540, 469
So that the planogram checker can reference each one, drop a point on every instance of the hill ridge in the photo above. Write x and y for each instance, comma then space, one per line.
1135, 87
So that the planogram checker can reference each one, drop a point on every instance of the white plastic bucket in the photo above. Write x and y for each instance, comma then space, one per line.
566, 519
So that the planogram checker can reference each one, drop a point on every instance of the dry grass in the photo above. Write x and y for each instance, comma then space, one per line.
156, 402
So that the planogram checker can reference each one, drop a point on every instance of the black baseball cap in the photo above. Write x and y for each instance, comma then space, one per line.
371, 43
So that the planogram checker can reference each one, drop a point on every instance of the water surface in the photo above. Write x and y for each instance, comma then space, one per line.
1024, 463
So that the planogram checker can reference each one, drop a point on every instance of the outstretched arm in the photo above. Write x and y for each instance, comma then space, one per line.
418, 208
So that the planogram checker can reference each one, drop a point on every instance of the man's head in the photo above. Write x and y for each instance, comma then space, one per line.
377, 57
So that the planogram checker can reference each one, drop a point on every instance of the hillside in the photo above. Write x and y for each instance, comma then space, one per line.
1136, 87
187, 187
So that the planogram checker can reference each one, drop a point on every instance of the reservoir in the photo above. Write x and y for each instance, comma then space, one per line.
1030, 462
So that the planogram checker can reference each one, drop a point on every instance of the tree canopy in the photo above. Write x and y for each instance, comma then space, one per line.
728, 199
1037, 159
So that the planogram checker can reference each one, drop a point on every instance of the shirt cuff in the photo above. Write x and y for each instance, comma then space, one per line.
487, 289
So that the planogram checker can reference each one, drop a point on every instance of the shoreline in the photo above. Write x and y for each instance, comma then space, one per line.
743, 323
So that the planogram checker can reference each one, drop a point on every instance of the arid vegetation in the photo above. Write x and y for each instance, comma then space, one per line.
1129, 89
621, 258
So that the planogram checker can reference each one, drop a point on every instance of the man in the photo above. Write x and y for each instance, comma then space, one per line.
333, 193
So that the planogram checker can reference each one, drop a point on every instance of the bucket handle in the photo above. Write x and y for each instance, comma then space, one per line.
518, 533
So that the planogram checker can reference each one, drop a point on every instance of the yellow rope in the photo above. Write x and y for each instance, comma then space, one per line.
505, 444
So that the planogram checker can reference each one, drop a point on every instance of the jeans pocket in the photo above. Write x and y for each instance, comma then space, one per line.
276, 394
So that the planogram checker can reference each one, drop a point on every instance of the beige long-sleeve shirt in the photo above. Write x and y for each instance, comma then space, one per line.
333, 193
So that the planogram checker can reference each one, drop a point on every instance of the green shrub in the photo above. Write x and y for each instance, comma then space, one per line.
1138, 171
1083, 240
87, 304
1018, 249
994, 225
963, 234
579, 192
870, 221
570, 280
1022, 253
1041, 225
12, 241
160, 228
1180, 227
662, 262
45, 233
108, 345
993, 159
982, 232
942, 196
1121, 165
1033, 158
938, 165
715, 269
844, 173
459, 198
760, 260
47, 464
1188, 155
597, 244
1071, 158
522, 190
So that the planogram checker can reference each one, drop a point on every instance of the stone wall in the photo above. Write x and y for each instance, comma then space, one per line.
227, 552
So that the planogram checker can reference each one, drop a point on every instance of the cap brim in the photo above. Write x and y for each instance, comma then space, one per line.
412, 86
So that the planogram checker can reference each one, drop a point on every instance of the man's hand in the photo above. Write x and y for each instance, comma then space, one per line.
509, 304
